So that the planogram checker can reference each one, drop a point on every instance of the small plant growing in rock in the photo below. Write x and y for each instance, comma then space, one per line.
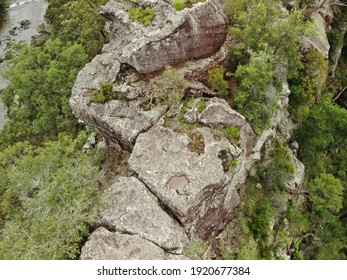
195, 250
201, 106
232, 164
228, 160
196, 143
233, 134
104, 94
142, 15
179, 5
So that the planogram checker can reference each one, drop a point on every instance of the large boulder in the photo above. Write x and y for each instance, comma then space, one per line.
105, 245
173, 37
319, 40
129, 207
195, 170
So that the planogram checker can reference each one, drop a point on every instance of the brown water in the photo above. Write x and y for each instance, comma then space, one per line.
18, 11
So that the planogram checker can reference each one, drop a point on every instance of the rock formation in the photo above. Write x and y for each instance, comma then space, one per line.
190, 152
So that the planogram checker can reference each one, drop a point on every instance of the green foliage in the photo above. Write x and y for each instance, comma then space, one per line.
216, 80
49, 200
326, 197
142, 15
253, 97
78, 21
104, 94
2, 5
195, 250
48, 187
169, 89
322, 137
278, 169
307, 87
298, 220
201, 106
326, 193
41, 78
269, 39
260, 26
179, 5
41, 75
232, 164
233, 134
260, 224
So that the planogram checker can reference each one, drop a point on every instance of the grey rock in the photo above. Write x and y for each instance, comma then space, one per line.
193, 186
294, 146
105, 245
319, 41
101, 145
91, 142
131, 208
173, 36
277, 125
299, 175
191, 116
219, 113
175, 257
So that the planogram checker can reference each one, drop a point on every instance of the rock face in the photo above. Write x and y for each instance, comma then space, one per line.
318, 41
132, 209
172, 37
105, 245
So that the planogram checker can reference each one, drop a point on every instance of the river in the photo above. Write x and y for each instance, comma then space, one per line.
19, 11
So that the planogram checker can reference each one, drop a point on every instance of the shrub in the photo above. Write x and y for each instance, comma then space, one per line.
201, 106
179, 5
55, 192
142, 15
216, 79
104, 94
195, 250
233, 133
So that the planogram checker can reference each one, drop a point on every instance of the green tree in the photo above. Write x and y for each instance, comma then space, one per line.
253, 97
271, 41
326, 197
55, 191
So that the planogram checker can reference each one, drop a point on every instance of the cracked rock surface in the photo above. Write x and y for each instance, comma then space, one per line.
105, 245
132, 209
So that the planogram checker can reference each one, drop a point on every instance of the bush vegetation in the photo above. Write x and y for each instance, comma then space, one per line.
142, 15
268, 40
48, 186
104, 94
217, 81
311, 223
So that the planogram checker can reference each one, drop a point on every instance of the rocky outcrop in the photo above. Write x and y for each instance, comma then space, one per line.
105, 245
321, 15
298, 177
319, 41
190, 151
172, 37
131, 208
